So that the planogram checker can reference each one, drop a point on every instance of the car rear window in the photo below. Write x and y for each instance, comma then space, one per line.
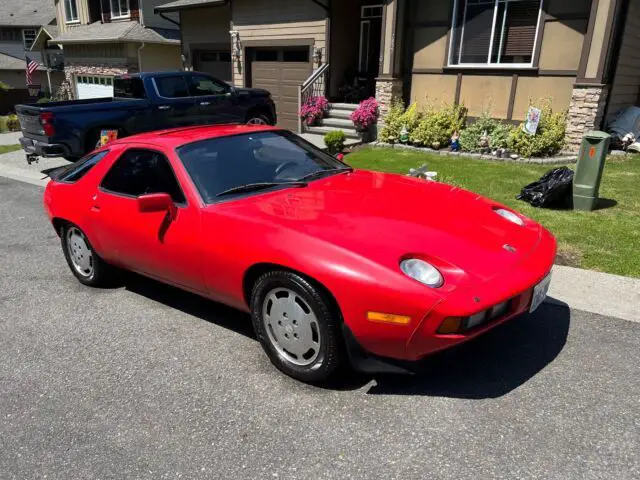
128, 87
76, 171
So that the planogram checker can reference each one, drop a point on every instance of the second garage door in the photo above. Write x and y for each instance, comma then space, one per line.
281, 71
88, 86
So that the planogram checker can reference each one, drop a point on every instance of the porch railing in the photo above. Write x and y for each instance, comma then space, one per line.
314, 86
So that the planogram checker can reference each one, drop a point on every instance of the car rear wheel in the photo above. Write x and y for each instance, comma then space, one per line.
83, 261
297, 326
258, 119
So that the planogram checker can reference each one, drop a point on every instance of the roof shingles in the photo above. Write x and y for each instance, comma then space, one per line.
26, 13
118, 32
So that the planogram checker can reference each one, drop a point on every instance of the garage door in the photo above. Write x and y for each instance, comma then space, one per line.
216, 63
94, 86
281, 71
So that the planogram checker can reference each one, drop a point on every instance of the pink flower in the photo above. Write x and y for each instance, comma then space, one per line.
366, 114
313, 110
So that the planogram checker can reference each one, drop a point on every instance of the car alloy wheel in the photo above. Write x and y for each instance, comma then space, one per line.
291, 326
260, 120
80, 253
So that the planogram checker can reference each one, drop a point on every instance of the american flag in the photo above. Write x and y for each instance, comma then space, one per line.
32, 66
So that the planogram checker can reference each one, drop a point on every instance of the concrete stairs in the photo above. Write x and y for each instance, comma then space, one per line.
338, 118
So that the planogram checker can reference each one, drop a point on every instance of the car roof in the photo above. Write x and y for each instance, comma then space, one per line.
176, 137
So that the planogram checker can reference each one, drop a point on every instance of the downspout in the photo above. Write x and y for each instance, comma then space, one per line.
140, 48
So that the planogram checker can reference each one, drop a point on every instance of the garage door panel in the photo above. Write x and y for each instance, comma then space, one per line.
282, 80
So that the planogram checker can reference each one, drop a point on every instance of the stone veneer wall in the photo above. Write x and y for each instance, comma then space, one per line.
586, 112
92, 69
388, 90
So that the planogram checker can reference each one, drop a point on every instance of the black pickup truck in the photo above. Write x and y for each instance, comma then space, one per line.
141, 102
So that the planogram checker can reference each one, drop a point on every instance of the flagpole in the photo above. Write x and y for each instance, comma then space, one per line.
49, 80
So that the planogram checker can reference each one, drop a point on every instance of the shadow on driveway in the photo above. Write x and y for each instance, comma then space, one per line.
487, 367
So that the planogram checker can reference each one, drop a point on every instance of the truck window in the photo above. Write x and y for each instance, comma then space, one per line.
172, 87
201, 85
128, 87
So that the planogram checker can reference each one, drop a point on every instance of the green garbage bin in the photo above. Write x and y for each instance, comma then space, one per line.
586, 182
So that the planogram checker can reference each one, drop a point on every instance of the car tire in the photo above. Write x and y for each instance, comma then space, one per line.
284, 304
258, 119
85, 264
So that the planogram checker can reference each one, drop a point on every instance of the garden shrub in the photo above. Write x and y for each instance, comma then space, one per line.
549, 139
497, 131
13, 125
390, 133
334, 141
438, 125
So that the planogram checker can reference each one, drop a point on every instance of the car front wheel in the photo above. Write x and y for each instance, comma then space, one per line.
82, 259
297, 326
258, 119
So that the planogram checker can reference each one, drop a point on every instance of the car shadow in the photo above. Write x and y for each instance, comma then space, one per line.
189, 303
489, 366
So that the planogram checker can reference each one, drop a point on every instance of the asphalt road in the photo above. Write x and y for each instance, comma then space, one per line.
144, 381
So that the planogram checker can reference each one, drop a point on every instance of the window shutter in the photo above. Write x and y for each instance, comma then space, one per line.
477, 33
520, 34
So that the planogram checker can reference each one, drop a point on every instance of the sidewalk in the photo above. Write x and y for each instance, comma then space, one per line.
10, 138
597, 292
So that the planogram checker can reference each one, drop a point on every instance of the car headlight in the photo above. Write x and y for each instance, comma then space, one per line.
422, 271
512, 217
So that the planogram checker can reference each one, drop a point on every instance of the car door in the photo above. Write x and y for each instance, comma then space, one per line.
175, 106
215, 100
150, 243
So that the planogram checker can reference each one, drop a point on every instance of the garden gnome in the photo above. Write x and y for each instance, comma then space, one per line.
404, 135
484, 142
455, 142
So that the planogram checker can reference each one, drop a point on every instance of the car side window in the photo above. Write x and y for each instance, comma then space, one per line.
139, 172
76, 171
172, 87
201, 85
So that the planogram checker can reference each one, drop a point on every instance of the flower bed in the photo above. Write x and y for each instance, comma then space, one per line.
314, 110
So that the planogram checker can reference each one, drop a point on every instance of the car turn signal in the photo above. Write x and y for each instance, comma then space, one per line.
388, 318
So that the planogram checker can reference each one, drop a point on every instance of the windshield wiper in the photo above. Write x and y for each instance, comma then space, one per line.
252, 187
319, 173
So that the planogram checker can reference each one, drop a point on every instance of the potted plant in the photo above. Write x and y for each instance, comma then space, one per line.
365, 117
314, 110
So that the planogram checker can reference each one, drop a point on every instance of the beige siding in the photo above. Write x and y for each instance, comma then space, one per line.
433, 89
430, 46
599, 32
158, 58
562, 44
625, 89
205, 27
256, 20
485, 93
15, 78
557, 89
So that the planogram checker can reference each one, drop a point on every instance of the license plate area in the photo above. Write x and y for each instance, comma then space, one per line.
540, 293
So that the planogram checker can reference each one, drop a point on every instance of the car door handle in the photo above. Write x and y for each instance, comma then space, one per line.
164, 107
204, 104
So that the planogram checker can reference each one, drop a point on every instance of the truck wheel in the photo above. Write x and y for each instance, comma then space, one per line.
258, 119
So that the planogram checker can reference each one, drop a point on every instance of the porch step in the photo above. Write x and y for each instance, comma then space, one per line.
337, 113
349, 133
337, 122
344, 106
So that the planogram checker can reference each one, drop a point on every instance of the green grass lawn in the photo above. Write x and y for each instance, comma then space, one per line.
607, 239
9, 148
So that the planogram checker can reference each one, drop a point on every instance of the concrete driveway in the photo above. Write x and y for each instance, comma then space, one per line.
145, 381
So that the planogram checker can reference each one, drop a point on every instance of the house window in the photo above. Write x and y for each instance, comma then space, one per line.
28, 36
70, 11
119, 8
10, 34
494, 32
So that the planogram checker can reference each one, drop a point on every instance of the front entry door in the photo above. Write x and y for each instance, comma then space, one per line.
369, 50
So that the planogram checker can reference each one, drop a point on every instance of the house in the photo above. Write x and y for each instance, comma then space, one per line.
20, 21
493, 55
103, 38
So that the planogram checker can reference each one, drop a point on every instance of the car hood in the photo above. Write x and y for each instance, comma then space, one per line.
386, 218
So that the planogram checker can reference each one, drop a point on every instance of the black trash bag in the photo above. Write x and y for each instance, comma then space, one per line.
553, 190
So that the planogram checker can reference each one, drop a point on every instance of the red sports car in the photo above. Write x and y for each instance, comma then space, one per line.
334, 264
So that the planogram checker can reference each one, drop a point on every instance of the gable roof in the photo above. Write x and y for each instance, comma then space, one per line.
46, 33
7, 62
26, 13
185, 4
118, 32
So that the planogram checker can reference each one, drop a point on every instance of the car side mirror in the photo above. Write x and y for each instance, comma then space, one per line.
157, 202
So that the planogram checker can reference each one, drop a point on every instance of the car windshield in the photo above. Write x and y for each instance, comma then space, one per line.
228, 167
